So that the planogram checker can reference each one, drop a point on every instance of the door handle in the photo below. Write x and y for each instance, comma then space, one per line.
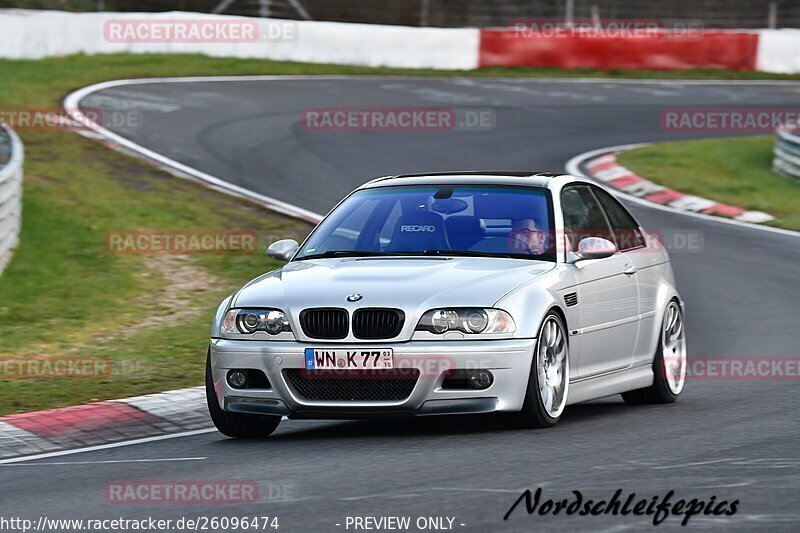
630, 270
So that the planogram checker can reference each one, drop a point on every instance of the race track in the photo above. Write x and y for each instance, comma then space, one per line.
732, 439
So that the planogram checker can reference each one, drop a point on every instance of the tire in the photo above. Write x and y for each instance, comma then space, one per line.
543, 409
668, 379
236, 425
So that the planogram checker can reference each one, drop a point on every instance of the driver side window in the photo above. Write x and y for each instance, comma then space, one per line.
583, 216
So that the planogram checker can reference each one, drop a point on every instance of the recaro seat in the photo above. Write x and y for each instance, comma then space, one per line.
420, 230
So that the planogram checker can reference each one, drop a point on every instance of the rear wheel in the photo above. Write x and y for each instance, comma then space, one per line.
237, 425
548, 383
669, 363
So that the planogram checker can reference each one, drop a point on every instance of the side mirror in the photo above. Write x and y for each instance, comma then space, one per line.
593, 248
282, 250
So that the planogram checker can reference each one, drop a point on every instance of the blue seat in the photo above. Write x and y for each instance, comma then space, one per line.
464, 231
418, 231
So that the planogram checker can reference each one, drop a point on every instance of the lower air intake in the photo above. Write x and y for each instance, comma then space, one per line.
353, 385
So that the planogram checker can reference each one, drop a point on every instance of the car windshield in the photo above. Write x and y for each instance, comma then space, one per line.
448, 220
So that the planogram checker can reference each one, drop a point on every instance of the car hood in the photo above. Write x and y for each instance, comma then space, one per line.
411, 284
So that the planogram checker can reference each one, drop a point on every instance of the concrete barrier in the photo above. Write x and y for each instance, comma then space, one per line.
787, 153
778, 51
11, 159
30, 34
731, 50
26, 34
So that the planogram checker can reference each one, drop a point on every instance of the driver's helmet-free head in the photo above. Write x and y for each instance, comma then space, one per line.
526, 237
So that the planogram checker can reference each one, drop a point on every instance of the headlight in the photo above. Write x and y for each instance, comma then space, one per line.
248, 321
467, 321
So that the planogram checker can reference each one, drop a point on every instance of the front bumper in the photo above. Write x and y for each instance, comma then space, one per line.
508, 360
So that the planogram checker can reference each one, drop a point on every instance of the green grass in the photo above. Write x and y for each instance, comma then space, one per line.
65, 294
731, 171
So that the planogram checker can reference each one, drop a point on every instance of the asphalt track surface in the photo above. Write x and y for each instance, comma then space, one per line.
736, 440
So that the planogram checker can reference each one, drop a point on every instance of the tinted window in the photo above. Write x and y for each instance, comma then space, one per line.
583, 216
494, 220
626, 231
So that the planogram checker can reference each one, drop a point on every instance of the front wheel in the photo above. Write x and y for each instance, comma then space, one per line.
669, 363
236, 425
548, 383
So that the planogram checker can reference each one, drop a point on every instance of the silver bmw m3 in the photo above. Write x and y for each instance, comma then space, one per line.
453, 293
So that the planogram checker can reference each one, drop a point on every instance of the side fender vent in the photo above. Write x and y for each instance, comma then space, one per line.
571, 299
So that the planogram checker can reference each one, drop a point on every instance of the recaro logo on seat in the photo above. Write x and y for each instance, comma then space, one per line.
417, 229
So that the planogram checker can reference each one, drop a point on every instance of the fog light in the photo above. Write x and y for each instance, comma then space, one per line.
237, 379
481, 379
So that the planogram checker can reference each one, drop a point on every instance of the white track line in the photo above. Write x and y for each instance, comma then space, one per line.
117, 461
107, 446
368, 77
573, 167
71, 105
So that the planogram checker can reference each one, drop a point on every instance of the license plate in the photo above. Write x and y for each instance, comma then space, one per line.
322, 359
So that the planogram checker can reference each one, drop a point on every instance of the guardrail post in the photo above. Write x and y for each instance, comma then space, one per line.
424, 13
786, 159
264, 8
772, 18
10, 193
596, 21
569, 12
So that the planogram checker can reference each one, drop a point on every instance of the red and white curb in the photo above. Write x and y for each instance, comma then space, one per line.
103, 422
606, 169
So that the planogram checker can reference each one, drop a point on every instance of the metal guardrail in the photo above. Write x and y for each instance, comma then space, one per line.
11, 160
787, 153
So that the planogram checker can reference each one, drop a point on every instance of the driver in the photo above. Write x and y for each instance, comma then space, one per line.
526, 237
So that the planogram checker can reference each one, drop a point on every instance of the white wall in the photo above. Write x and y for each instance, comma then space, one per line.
778, 51
28, 34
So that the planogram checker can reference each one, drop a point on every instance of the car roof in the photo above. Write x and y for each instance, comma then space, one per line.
550, 180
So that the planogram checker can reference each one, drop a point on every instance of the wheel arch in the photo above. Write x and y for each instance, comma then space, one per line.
666, 294
555, 308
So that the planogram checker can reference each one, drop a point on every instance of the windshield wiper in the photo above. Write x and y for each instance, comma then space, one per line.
467, 253
345, 253
430, 252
